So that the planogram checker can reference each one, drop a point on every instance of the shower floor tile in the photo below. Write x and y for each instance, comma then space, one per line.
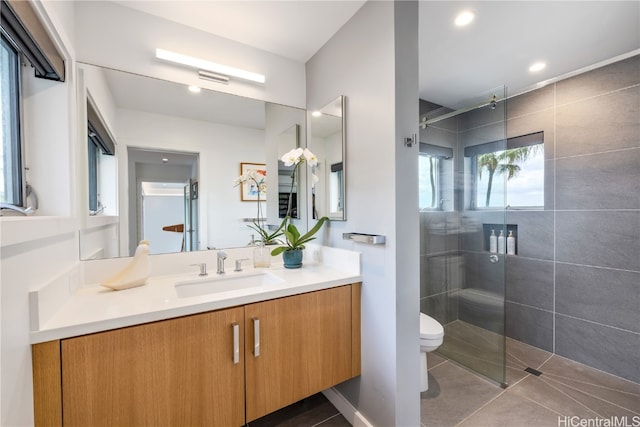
510, 410
459, 397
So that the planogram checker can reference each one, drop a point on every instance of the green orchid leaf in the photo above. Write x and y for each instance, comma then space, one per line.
278, 250
315, 228
303, 241
294, 232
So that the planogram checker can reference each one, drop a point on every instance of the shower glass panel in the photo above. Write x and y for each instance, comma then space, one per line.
463, 174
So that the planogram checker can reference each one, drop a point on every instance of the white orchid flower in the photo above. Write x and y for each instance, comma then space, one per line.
314, 180
288, 158
312, 160
293, 157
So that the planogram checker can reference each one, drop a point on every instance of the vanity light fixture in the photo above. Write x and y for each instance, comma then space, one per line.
203, 65
464, 18
538, 66
194, 89
218, 78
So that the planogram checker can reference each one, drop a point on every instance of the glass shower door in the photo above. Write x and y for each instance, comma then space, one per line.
463, 272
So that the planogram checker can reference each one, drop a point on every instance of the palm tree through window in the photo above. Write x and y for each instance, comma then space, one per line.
510, 174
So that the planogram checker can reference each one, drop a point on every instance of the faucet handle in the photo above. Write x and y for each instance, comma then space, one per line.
239, 264
203, 268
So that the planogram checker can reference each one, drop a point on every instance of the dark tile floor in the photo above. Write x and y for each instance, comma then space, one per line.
313, 411
565, 389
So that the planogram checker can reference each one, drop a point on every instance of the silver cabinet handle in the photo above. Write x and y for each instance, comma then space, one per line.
256, 337
236, 343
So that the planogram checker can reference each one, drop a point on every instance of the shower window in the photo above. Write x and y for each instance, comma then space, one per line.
520, 164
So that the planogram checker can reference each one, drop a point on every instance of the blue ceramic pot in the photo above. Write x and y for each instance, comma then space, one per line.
292, 259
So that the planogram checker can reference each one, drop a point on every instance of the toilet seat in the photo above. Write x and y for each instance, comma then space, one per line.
430, 329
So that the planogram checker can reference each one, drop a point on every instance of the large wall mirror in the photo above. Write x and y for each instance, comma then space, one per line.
178, 151
328, 143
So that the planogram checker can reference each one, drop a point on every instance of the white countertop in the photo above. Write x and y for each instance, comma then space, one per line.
95, 308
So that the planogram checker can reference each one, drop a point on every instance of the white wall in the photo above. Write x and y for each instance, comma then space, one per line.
382, 197
221, 149
132, 48
37, 249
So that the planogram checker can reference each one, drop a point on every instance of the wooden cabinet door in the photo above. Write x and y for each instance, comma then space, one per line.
304, 347
177, 372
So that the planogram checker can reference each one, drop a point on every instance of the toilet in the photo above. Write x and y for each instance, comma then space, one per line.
431, 336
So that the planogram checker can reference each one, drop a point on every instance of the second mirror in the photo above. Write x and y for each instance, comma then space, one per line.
328, 143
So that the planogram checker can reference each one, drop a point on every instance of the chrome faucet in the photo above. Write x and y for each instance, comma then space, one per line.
203, 268
239, 264
221, 257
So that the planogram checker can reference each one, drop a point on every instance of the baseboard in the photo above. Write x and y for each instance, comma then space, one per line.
355, 418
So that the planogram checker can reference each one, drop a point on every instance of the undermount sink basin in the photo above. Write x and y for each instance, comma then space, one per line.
224, 283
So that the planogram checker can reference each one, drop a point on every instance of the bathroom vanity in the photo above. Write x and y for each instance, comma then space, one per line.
231, 358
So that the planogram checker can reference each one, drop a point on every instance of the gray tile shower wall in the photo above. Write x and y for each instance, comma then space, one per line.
591, 232
601, 295
574, 286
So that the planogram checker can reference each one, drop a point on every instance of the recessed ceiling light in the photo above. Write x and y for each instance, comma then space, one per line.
194, 89
165, 160
464, 18
316, 114
538, 66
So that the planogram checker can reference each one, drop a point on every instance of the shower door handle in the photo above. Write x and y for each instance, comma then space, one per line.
493, 259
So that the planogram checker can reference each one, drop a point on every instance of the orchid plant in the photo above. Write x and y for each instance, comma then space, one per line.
294, 240
258, 178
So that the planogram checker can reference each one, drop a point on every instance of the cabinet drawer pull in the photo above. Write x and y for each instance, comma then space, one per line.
236, 343
256, 337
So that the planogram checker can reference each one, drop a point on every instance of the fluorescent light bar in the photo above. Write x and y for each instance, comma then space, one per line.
202, 64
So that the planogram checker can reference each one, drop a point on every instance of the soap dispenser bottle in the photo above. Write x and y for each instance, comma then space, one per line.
511, 244
501, 242
261, 255
493, 242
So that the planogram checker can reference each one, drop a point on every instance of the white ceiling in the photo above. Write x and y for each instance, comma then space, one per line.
295, 29
497, 48
456, 64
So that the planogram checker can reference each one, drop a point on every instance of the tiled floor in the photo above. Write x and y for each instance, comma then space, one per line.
565, 389
310, 412
458, 397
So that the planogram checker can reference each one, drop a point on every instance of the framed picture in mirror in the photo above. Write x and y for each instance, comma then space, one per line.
253, 189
